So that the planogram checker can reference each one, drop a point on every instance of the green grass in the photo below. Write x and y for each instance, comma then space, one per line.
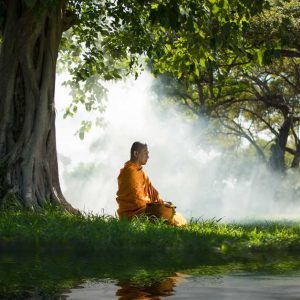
52, 229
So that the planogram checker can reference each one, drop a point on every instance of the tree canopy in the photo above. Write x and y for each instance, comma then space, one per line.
251, 89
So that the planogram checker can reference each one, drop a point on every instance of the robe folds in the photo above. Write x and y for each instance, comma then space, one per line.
135, 190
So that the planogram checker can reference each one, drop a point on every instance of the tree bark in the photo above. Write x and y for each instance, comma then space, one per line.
28, 156
296, 159
201, 98
277, 159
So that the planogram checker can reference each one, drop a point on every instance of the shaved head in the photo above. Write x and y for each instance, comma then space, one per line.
136, 147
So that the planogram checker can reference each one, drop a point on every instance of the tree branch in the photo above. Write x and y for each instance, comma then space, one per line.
240, 132
232, 101
262, 119
290, 150
187, 104
287, 53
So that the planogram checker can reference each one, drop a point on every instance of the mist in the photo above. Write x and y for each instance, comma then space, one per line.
201, 180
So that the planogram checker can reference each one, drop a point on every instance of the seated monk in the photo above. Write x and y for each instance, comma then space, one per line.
135, 189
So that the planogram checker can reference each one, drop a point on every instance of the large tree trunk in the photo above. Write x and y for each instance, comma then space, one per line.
28, 157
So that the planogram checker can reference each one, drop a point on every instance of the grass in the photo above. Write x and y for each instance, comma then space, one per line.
52, 229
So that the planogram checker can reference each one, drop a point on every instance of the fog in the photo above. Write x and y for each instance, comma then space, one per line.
201, 180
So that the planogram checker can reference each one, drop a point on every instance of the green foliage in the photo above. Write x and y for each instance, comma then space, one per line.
85, 127
103, 44
108, 38
276, 30
207, 30
244, 89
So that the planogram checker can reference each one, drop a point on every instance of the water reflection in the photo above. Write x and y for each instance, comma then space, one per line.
128, 290
226, 287
109, 276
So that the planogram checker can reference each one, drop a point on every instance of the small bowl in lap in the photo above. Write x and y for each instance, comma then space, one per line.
160, 210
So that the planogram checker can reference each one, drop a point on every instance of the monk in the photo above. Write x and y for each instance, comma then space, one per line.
135, 189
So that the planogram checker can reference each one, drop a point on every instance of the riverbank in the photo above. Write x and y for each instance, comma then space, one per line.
51, 230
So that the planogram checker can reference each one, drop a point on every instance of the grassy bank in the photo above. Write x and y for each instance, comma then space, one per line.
52, 230
44, 254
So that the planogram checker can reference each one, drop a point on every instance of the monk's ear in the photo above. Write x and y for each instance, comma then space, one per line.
135, 153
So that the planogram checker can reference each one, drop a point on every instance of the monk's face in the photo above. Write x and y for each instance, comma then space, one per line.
142, 156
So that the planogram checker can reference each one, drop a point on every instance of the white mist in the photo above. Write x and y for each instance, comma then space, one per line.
201, 182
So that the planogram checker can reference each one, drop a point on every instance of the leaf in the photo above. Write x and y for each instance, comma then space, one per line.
260, 56
201, 33
196, 69
168, 48
225, 4
81, 135
196, 26
215, 9
202, 62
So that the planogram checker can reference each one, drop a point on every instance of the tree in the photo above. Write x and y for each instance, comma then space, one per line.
269, 109
233, 85
253, 102
31, 33
273, 83
104, 40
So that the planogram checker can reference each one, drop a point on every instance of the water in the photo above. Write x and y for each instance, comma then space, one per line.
183, 286
118, 276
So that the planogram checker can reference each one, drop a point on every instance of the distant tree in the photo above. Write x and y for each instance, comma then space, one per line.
269, 108
249, 89
272, 85
256, 103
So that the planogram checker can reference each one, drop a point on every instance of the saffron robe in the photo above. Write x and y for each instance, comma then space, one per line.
135, 190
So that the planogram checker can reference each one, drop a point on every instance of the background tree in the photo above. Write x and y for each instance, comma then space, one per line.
267, 110
249, 100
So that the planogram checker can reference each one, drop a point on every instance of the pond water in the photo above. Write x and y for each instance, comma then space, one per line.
148, 276
182, 286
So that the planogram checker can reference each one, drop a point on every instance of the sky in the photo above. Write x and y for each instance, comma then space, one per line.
202, 181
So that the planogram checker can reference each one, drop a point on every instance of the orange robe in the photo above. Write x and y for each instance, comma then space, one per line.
135, 190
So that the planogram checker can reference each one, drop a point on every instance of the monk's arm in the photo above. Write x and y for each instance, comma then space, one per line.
153, 193
135, 186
